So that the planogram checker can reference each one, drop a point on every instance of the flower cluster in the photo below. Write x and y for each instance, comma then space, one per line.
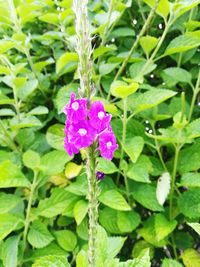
84, 126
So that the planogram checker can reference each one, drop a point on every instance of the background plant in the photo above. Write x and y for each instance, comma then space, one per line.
146, 71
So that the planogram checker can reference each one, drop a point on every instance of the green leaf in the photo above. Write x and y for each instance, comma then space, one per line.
122, 32
183, 43
171, 263
189, 158
55, 136
63, 62
148, 232
102, 50
31, 159
82, 259
193, 129
108, 219
139, 171
152, 98
127, 221
72, 170
188, 203
9, 251
80, 211
52, 261
8, 202
27, 89
40, 110
51, 250
148, 43
163, 227
133, 147
190, 179
54, 161
59, 201
11, 176
122, 90
139, 69
106, 68
7, 112
106, 166
114, 245
51, 18
163, 8
191, 258
114, 199
174, 75
195, 226
9, 223
66, 239
38, 235
145, 194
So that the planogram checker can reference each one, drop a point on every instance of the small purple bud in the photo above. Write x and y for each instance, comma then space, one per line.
100, 175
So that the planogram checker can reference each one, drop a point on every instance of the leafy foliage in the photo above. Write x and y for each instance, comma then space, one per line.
146, 71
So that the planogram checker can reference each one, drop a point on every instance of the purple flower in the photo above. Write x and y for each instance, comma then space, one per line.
107, 144
82, 134
70, 147
100, 175
77, 109
98, 117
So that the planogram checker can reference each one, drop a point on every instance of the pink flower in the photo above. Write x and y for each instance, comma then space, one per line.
107, 144
77, 109
82, 134
99, 119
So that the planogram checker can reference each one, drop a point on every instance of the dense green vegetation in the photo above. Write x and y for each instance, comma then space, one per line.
146, 71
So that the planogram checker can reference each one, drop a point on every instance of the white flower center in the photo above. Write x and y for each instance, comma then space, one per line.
109, 144
82, 131
75, 106
101, 115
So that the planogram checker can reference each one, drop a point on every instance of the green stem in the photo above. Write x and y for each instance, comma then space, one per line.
195, 93
93, 205
173, 180
124, 122
135, 44
27, 52
158, 148
28, 210
151, 59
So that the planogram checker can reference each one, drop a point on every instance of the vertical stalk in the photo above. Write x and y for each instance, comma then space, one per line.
195, 93
122, 150
173, 180
84, 51
28, 210
93, 205
135, 44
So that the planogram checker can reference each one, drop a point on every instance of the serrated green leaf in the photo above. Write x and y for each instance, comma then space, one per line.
148, 43
195, 226
10, 251
114, 199
11, 176
127, 221
147, 199
66, 239
64, 60
31, 159
122, 90
171, 263
55, 136
163, 227
106, 166
191, 258
51, 261
38, 235
80, 210
190, 179
188, 203
9, 223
